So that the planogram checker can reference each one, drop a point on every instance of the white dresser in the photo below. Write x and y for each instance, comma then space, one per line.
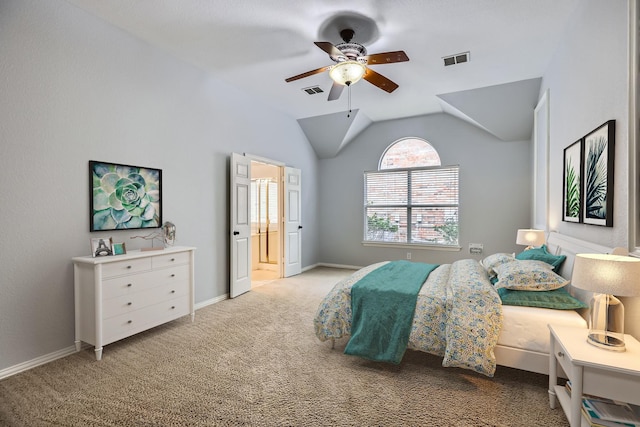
121, 295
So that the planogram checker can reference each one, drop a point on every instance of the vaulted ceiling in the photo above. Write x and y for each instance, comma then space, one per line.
256, 44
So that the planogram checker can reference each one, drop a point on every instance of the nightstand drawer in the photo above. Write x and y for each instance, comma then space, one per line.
562, 357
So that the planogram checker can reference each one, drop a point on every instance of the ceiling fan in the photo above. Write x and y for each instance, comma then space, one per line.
351, 65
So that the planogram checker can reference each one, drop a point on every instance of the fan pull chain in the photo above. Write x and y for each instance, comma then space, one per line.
349, 98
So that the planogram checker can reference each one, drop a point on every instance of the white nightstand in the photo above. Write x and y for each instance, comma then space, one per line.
591, 370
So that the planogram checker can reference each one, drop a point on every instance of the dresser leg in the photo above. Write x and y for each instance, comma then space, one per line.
98, 353
78, 345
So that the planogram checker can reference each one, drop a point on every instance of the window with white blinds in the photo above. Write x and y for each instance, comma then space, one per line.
414, 205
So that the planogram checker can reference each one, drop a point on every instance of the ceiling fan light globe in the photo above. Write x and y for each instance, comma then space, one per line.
347, 71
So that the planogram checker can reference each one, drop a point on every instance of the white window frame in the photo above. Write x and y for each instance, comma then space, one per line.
409, 206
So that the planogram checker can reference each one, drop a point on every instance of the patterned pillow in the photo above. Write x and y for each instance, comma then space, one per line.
542, 254
527, 275
490, 262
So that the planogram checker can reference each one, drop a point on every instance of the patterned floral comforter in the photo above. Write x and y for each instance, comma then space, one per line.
458, 315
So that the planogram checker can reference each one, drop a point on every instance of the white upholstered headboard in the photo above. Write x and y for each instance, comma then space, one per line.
559, 244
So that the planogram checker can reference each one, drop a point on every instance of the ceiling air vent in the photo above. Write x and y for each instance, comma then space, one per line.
312, 90
458, 58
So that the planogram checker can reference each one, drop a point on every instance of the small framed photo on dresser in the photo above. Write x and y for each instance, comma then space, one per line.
119, 249
101, 246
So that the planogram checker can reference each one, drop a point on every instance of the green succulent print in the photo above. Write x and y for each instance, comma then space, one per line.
125, 197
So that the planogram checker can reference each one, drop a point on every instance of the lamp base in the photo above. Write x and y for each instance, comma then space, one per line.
606, 342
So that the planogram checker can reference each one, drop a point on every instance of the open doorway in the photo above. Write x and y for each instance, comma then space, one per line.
266, 222
288, 253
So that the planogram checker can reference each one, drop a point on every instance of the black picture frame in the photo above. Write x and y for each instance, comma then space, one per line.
572, 182
598, 169
124, 197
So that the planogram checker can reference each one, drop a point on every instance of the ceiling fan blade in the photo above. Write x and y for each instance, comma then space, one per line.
307, 74
335, 92
330, 49
379, 80
386, 57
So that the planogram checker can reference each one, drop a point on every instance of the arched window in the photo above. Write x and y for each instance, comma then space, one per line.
411, 199
409, 153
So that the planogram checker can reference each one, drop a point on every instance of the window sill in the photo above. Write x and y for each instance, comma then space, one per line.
418, 246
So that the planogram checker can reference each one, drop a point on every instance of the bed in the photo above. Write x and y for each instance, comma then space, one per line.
514, 336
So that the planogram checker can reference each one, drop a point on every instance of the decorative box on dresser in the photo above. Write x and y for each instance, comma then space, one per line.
592, 371
122, 295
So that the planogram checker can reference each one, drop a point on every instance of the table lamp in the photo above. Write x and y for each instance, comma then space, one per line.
530, 237
606, 275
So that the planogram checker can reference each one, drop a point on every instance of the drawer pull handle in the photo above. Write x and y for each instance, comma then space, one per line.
128, 266
173, 259
172, 307
560, 354
173, 275
129, 285
173, 291
129, 321
129, 303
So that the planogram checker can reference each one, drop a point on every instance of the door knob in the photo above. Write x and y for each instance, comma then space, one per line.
235, 233
299, 227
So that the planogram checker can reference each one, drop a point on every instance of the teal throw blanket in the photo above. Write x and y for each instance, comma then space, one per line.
382, 306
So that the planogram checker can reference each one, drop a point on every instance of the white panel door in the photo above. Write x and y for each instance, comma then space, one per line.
292, 222
240, 216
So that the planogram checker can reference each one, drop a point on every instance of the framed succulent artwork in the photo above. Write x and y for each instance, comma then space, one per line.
598, 164
124, 197
572, 185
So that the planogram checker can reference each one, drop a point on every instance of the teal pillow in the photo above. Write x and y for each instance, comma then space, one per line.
542, 254
558, 299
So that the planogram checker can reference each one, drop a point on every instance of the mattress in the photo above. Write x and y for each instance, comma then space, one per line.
526, 327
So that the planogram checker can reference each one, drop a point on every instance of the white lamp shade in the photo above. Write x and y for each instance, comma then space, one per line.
530, 237
607, 274
347, 72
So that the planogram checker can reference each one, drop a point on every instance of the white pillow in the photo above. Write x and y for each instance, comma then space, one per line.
528, 275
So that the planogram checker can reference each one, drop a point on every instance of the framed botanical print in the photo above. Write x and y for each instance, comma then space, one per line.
598, 166
572, 185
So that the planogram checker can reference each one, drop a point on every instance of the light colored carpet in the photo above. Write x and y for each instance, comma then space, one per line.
255, 361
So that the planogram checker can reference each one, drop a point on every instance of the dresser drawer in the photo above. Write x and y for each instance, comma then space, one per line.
126, 285
119, 268
168, 260
118, 327
135, 301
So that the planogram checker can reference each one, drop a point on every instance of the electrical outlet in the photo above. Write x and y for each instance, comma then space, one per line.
475, 248
408, 255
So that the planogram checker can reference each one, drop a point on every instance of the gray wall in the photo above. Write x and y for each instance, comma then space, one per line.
495, 189
75, 89
588, 84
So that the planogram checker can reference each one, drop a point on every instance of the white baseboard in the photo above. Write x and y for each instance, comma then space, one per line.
30, 364
211, 301
347, 267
